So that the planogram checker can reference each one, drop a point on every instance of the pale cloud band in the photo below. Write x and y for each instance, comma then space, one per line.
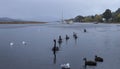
45, 9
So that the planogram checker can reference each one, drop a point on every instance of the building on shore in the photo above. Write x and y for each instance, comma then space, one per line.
69, 21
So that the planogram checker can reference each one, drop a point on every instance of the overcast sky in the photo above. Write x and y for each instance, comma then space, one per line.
48, 10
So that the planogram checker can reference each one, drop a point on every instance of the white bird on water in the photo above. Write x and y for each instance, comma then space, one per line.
11, 43
65, 66
23, 42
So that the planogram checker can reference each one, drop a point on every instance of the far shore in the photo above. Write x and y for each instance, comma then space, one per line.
33, 22
101, 22
27, 22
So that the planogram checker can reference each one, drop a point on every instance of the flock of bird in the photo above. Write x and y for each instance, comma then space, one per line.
67, 65
93, 63
60, 40
56, 48
23, 42
87, 63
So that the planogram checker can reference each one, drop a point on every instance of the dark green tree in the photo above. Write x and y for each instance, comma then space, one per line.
115, 17
107, 15
98, 18
79, 18
117, 11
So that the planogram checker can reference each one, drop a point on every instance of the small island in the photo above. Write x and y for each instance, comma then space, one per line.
6, 20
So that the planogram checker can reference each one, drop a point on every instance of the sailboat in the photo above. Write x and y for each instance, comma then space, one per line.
69, 21
62, 20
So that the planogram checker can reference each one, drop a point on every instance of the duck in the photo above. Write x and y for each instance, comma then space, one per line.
89, 63
98, 59
65, 66
75, 35
55, 48
85, 30
67, 37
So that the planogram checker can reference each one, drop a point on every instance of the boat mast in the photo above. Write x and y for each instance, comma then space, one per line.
62, 21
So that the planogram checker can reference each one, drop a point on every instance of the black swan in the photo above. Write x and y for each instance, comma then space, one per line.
55, 48
89, 63
67, 37
60, 40
75, 35
98, 59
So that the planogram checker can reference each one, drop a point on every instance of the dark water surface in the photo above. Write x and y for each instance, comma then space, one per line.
100, 39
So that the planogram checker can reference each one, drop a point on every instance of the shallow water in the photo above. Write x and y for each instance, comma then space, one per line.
100, 39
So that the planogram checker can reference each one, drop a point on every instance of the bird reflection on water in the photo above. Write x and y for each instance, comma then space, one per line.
54, 59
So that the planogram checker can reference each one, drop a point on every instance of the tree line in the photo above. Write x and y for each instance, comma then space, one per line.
107, 16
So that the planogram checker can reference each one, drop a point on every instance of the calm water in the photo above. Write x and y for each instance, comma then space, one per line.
100, 39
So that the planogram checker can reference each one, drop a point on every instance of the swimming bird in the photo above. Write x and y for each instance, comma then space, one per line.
60, 40
23, 42
55, 48
85, 30
65, 66
11, 43
75, 35
67, 37
89, 63
98, 59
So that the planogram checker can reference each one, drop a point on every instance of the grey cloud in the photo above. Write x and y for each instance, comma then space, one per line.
45, 9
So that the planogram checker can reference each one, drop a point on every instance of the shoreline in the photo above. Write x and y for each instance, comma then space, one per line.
23, 22
100, 22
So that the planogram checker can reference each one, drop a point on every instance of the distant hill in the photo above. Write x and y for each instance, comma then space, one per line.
6, 19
